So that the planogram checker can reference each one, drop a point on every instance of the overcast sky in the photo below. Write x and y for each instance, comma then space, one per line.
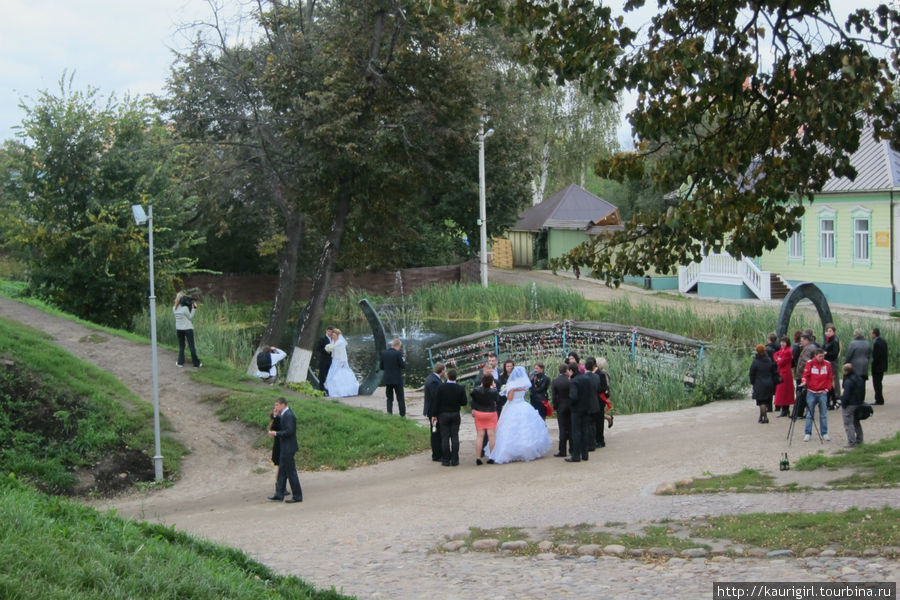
117, 46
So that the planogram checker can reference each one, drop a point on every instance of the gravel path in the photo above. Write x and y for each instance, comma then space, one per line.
372, 532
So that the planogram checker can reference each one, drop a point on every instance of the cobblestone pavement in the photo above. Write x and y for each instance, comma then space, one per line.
372, 532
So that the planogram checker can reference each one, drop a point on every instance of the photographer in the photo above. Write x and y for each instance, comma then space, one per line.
184, 309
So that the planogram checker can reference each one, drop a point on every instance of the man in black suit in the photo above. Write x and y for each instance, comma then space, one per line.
392, 364
432, 383
560, 391
595, 412
450, 397
287, 447
879, 363
581, 388
324, 356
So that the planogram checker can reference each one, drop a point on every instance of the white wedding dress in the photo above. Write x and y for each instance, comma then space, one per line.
521, 432
340, 381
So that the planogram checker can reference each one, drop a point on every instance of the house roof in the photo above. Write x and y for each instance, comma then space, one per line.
571, 208
877, 167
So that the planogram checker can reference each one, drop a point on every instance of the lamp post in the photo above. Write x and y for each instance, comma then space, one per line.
140, 218
482, 206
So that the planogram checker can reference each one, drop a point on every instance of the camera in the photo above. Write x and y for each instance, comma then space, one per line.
187, 301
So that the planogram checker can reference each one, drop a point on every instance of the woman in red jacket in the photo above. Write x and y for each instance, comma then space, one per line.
784, 391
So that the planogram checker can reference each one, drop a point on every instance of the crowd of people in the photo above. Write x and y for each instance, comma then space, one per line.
510, 406
804, 377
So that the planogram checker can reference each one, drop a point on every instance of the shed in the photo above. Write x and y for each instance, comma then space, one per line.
559, 223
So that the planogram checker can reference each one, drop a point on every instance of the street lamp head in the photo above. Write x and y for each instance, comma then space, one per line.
140, 217
488, 133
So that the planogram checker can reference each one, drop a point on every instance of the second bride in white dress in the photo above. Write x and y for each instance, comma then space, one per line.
341, 380
521, 433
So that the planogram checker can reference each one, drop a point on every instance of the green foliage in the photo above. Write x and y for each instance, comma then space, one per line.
712, 117
502, 302
67, 187
58, 413
746, 480
55, 548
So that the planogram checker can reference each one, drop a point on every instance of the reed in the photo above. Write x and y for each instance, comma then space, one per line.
503, 303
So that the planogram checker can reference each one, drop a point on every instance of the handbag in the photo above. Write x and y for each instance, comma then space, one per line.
605, 397
864, 411
548, 407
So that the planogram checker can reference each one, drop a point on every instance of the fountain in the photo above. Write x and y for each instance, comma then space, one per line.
401, 319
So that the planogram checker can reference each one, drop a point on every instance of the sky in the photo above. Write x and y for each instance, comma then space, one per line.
124, 46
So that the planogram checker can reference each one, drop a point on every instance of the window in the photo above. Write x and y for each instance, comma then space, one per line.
795, 246
861, 240
826, 240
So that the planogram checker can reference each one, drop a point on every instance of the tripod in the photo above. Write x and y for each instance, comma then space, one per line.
801, 397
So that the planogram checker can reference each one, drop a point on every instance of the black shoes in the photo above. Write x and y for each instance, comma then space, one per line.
478, 462
572, 459
276, 498
293, 500
560, 455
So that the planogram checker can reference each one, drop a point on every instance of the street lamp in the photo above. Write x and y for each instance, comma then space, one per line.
482, 207
140, 218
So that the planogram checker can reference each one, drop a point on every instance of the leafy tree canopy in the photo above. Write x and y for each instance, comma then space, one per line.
745, 109
68, 183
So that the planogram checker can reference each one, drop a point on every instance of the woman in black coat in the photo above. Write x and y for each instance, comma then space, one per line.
763, 378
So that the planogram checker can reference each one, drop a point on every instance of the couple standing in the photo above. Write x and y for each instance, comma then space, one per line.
335, 375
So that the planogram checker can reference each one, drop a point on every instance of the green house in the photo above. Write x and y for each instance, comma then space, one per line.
563, 221
845, 244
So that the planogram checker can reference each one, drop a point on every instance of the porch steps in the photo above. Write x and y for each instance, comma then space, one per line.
779, 289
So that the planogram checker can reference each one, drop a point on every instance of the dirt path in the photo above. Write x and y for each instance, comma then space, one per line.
370, 531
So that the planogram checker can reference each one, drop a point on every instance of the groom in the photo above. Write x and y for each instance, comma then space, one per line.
287, 447
392, 364
324, 357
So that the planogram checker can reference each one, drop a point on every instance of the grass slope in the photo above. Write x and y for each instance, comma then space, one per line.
56, 549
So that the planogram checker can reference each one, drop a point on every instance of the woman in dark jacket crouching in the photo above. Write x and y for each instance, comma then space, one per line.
763, 377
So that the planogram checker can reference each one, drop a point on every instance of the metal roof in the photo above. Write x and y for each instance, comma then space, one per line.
571, 208
877, 167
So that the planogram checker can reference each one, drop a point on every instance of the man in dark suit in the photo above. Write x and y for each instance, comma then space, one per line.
879, 363
392, 364
287, 447
559, 388
324, 357
581, 388
595, 412
432, 383
450, 397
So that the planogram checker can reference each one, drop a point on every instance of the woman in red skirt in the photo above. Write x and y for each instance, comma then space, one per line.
484, 411
784, 391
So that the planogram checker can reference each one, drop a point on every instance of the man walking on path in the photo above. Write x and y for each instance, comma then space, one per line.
287, 447
879, 363
392, 364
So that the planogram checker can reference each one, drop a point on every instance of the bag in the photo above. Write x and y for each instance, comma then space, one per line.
864, 411
548, 408
538, 405
264, 361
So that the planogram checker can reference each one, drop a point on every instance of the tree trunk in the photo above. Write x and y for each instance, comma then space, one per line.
284, 292
312, 316
539, 184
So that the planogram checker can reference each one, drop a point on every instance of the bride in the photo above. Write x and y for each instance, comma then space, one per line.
521, 433
340, 381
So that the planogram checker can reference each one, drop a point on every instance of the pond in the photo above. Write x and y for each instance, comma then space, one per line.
361, 346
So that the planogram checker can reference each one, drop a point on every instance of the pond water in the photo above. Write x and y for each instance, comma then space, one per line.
362, 354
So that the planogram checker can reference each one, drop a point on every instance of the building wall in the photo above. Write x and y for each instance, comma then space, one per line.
522, 248
722, 290
561, 241
845, 278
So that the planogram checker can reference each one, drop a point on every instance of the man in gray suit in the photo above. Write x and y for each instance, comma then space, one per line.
287, 447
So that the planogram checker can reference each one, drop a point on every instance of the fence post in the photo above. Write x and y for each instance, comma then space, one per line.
633, 343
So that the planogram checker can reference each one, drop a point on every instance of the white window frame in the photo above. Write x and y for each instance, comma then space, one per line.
862, 241
825, 236
795, 246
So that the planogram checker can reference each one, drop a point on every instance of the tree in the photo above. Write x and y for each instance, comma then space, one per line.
746, 108
69, 181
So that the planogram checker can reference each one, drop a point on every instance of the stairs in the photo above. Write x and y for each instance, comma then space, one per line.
779, 289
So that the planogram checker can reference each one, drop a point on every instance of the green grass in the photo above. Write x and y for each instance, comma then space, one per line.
330, 435
876, 464
748, 480
58, 412
854, 530
56, 549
